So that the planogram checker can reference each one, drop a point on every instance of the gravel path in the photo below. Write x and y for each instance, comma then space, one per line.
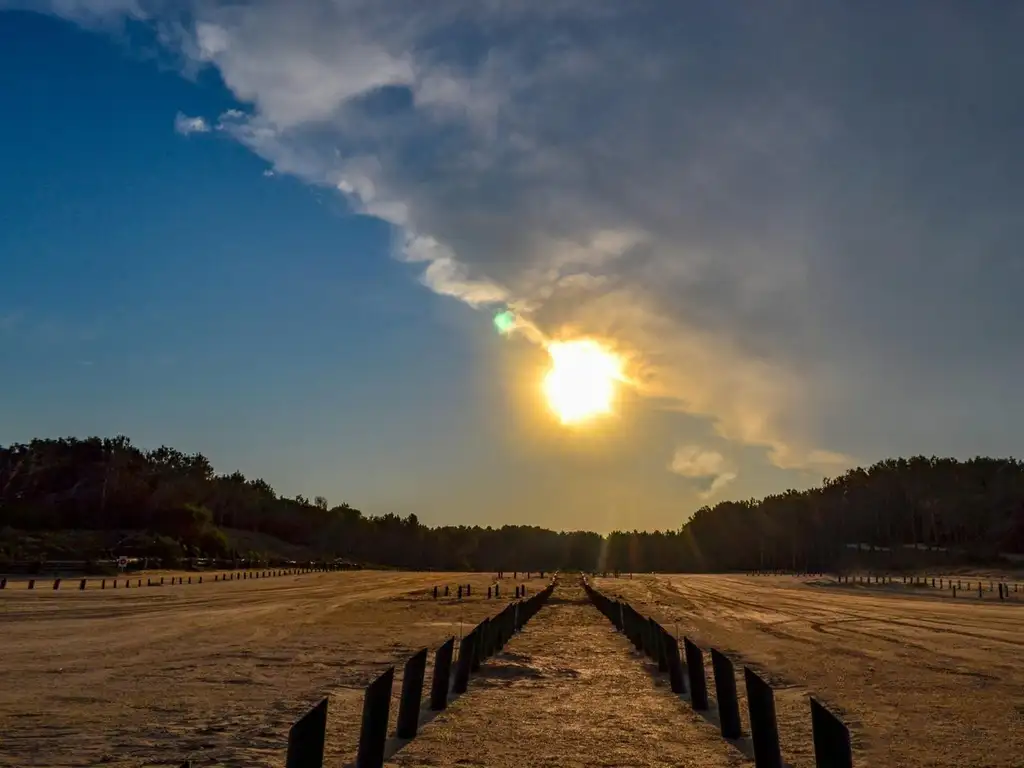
568, 691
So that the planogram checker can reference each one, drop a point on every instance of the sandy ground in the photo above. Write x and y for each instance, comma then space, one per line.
568, 692
921, 680
216, 672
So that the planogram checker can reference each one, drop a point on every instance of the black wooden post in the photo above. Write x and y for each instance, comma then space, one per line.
412, 695
479, 645
725, 692
675, 666
306, 739
442, 675
695, 671
764, 728
465, 663
662, 648
374, 731
831, 739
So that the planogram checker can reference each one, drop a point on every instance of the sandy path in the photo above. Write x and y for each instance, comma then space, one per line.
921, 681
215, 672
568, 691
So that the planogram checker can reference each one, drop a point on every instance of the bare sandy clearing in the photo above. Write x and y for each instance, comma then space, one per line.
216, 672
567, 692
921, 681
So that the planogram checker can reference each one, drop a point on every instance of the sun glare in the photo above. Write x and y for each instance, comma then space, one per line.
582, 380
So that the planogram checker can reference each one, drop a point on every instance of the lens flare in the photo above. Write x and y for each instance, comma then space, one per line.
581, 383
505, 321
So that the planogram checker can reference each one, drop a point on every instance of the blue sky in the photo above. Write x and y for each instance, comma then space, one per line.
276, 233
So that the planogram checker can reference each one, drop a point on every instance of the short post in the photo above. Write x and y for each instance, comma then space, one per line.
725, 692
442, 675
695, 671
374, 730
831, 739
412, 695
435, 591
56, 584
764, 728
81, 585
306, 739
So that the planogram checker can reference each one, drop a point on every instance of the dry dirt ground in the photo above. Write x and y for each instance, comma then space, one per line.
921, 679
568, 692
214, 672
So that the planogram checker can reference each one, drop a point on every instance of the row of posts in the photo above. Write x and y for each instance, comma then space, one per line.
452, 675
832, 747
940, 583
152, 582
492, 591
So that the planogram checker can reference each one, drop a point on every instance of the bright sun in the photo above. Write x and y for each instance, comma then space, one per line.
581, 382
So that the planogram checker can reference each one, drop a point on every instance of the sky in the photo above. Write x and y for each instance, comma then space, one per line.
277, 233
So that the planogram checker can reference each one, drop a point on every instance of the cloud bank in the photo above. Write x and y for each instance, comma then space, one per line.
802, 223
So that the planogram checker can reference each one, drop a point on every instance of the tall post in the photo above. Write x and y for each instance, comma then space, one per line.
442, 674
373, 733
695, 671
412, 695
306, 739
725, 692
831, 739
764, 728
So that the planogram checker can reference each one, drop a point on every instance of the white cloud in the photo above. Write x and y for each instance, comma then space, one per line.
698, 463
186, 125
755, 221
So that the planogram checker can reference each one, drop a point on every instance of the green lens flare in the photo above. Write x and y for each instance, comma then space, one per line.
505, 321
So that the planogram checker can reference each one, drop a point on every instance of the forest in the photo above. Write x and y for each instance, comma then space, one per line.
168, 504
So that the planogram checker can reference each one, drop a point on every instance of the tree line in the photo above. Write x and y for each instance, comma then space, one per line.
971, 509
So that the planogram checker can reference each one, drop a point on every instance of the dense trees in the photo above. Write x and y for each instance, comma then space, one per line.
891, 513
972, 509
108, 484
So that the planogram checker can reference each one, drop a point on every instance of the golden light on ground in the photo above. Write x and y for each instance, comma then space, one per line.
582, 381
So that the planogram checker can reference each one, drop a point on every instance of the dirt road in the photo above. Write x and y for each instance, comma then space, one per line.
922, 681
215, 672
568, 693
